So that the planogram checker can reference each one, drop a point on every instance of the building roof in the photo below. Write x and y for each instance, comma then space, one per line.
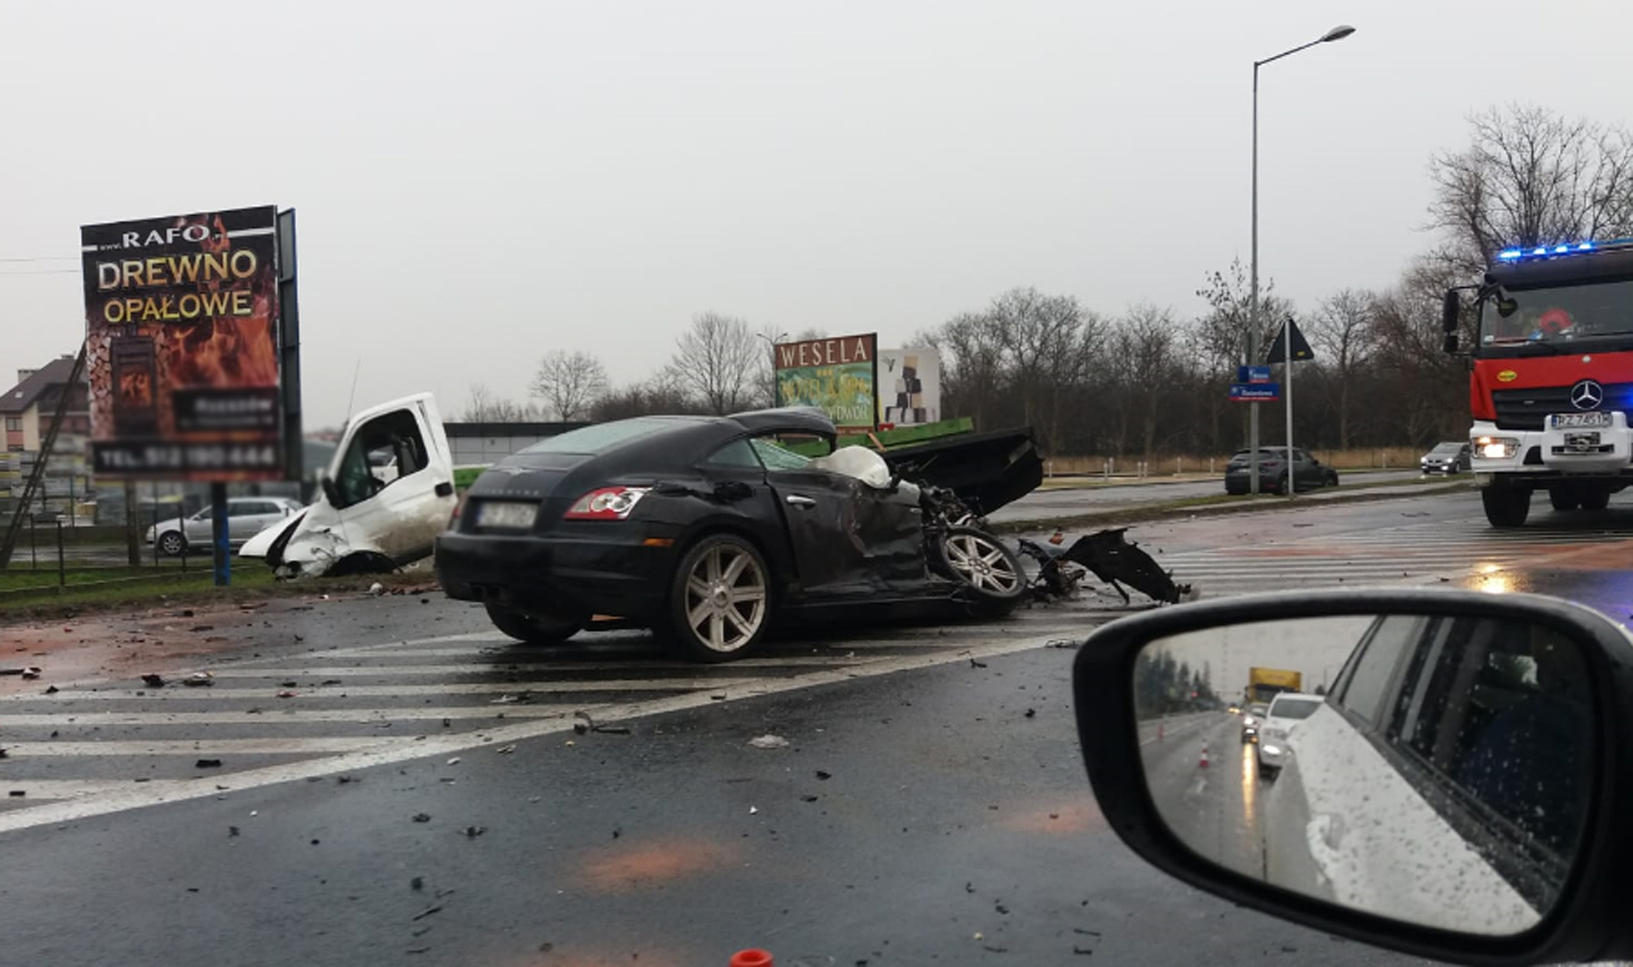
20, 397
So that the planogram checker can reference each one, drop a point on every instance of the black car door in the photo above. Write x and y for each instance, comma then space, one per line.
1307, 470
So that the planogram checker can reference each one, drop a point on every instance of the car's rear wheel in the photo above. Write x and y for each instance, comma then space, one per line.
720, 599
533, 627
172, 543
985, 566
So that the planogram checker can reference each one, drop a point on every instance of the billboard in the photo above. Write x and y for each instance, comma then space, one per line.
909, 386
181, 328
838, 375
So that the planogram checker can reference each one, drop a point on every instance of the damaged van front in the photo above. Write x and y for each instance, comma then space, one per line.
387, 494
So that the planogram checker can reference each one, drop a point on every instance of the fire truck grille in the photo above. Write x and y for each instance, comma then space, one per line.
1528, 409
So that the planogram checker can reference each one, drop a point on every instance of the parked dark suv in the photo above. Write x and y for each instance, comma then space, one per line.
1450, 457
1308, 473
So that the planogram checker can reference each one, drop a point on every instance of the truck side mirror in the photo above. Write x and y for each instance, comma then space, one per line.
1450, 307
1450, 345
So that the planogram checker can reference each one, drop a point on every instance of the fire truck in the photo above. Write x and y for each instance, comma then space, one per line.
1552, 379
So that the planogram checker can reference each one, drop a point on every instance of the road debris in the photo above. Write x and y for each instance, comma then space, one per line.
207, 764
376, 589
417, 883
588, 725
824, 775
52, 690
454, 761
752, 810
505, 749
977, 664
472, 832
286, 694
25, 672
427, 912
199, 680
768, 741
422, 817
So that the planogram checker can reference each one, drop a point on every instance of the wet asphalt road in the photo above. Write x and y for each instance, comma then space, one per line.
1100, 499
918, 815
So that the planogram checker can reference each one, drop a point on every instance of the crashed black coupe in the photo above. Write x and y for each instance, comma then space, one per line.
709, 529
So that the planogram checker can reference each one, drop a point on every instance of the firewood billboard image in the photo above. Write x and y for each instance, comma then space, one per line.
181, 318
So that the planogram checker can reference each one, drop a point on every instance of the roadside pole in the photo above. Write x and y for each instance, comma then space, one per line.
220, 533
1292, 478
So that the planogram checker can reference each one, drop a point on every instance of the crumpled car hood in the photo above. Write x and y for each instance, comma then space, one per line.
986, 470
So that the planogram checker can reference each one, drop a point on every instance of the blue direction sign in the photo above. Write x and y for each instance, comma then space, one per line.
1255, 392
1253, 374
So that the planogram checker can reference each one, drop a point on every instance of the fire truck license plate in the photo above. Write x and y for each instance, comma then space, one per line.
1582, 441
1572, 421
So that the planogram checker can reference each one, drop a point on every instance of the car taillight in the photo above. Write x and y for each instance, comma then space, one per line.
608, 503
459, 505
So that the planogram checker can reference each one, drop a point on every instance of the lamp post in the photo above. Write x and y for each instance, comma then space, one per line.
1337, 33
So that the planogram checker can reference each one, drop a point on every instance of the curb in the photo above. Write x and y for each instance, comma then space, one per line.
1179, 508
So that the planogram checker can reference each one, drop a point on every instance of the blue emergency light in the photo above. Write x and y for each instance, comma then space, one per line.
1543, 251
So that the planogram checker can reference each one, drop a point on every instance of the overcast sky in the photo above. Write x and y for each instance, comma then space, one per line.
478, 183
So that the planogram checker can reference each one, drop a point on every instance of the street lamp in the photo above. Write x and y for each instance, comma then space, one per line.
1337, 33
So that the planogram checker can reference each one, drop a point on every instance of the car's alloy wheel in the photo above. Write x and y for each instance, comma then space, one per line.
533, 627
172, 543
721, 599
984, 564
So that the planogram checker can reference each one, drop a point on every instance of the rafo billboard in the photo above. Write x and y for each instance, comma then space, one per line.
838, 375
181, 318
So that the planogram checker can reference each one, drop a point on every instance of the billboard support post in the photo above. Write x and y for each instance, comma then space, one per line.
220, 535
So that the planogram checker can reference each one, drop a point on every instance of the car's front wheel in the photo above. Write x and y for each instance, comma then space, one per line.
535, 628
987, 568
172, 543
1331, 479
720, 599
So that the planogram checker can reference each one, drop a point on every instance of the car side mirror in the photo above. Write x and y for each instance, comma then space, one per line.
1450, 308
331, 492
1454, 794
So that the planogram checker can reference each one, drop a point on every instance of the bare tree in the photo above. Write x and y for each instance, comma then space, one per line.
717, 360
569, 383
1219, 340
1146, 359
1039, 335
1531, 177
487, 407
1342, 332
1422, 393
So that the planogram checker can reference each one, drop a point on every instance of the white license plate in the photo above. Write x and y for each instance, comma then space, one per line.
1582, 441
1563, 421
508, 516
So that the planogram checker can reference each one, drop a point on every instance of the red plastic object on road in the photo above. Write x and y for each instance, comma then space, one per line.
1204, 763
751, 958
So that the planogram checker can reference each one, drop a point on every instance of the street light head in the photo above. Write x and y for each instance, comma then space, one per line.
1337, 33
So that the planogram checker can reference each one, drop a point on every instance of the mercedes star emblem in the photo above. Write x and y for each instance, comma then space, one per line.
1587, 395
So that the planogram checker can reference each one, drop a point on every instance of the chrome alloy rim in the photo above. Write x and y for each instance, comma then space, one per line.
982, 562
725, 598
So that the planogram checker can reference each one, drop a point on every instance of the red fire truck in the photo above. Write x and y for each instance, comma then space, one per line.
1553, 377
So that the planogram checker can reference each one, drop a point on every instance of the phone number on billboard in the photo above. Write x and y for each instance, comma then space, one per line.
195, 457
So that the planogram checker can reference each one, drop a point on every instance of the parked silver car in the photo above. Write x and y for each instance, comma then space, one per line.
246, 517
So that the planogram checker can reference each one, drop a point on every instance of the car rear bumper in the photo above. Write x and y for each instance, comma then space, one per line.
618, 576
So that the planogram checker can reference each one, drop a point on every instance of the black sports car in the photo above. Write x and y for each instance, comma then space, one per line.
707, 529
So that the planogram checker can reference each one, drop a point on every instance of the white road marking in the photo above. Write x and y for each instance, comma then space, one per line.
269, 693
403, 749
272, 717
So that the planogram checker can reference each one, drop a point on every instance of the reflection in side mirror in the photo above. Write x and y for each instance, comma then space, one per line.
1442, 779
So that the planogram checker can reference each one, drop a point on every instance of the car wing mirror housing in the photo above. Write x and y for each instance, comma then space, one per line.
1449, 781
331, 493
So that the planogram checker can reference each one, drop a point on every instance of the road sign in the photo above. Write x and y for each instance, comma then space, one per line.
1253, 374
1278, 349
1255, 392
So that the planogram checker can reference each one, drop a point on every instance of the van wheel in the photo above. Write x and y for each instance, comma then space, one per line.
535, 628
1596, 500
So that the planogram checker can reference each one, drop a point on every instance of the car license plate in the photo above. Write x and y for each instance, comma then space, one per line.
1582, 441
1572, 421
506, 516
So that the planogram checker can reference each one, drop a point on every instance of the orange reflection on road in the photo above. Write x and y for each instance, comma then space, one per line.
1072, 817
655, 864
1250, 785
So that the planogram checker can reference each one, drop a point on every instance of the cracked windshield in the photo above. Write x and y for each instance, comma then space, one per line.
627, 484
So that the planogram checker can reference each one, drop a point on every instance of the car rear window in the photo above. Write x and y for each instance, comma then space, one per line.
602, 436
1294, 708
